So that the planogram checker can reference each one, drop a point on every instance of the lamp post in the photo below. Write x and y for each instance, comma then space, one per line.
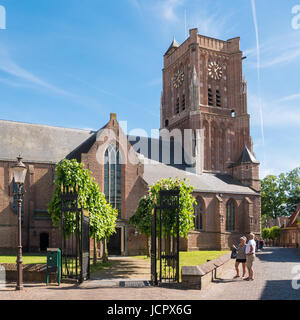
19, 174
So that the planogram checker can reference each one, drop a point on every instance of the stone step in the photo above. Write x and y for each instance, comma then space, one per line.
114, 283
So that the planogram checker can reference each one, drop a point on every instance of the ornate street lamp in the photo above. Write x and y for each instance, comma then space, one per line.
19, 174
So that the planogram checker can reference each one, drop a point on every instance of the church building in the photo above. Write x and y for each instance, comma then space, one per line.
204, 99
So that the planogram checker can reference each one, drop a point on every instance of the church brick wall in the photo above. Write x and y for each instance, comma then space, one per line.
39, 189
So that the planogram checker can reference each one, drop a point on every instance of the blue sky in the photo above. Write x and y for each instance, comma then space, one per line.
72, 62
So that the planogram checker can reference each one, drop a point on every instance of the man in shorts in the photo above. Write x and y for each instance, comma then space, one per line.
250, 256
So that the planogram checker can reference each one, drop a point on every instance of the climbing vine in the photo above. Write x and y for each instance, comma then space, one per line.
143, 215
71, 175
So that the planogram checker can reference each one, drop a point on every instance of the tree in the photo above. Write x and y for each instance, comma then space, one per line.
293, 192
266, 233
280, 194
274, 233
71, 174
142, 219
273, 196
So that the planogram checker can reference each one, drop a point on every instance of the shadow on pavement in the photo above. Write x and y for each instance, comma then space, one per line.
220, 280
280, 290
122, 268
278, 254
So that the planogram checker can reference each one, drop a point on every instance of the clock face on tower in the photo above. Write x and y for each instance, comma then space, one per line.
178, 79
215, 71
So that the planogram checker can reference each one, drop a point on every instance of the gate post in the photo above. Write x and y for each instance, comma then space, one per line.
153, 247
85, 246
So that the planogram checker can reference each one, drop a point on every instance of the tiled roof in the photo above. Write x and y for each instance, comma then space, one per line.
205, 182
41, 143
38, 143
246, 157
293, 219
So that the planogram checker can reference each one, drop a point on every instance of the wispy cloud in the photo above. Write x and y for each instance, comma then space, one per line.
291, 97
154, 82
11, 68
18, 76
168, 9
209, 20
278, 162
277, 114
11, 83
286, 56
212, 24
137, 5
163, 9
259, 102
273, 55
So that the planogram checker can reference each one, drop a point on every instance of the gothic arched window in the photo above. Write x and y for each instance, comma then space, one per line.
198, 211
230, 215
112, 177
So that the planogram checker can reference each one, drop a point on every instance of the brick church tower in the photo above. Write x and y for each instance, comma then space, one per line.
204, 88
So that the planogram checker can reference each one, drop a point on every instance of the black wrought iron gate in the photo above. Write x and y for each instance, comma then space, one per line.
85, 246
75, 235
165, 238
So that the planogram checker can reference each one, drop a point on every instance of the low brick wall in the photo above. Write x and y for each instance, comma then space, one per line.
199, 277
31, 273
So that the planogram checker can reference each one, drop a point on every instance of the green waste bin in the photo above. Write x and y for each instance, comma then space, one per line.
54, 263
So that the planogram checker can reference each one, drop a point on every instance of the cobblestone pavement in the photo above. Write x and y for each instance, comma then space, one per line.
273, 275
273, 279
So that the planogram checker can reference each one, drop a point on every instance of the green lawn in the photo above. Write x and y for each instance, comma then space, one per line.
193, 258
27, 258
41, 259
101, 266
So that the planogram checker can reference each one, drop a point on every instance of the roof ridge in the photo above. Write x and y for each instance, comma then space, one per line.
44, 125
294, 217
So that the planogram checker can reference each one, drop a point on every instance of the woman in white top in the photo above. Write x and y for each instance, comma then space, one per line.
250, 256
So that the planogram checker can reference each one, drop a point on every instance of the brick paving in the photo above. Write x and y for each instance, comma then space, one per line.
273, 275
273, 279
